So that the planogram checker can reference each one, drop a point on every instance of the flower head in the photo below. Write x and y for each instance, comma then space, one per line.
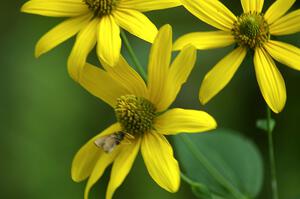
251, 30
142, 117
96, 22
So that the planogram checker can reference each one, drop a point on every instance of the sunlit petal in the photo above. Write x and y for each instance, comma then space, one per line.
146, 5
287, 24
252, 5
277, 9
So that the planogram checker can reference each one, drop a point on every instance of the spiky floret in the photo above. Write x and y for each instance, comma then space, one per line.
251, 30
101, 7
135, 114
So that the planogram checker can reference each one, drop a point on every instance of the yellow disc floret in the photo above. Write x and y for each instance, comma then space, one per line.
135, 114
101, 7
251, 30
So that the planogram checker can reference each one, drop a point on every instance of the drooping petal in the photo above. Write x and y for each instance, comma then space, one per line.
161, 165
277, 9
252, 5
221, 74
61, 33
146, 5
100, 84
211, 12
122, 166
178, 120
270, 81
136, 23
109, 41
86, 158
205, 40
128, 77
159, 61
85, 42
287, 24
178, 74
58, 8
284, 53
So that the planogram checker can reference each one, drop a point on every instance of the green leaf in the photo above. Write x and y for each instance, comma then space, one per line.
263, 124
232, 156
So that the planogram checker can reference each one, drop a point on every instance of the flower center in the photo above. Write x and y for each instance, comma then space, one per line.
251, 30
101, 7
135, 114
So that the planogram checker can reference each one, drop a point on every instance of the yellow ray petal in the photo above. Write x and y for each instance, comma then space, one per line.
128, 77
86, 158
85, 42
178, 120
252, 5
101, 84
159, 61
212, 12
161, 165
178, 74
277, 9
122, 166
287, 24
109, 41
205, 40
270, 81
61, 33
146, 5
284, 53
136, 23
221, 74
105, 159
58, 8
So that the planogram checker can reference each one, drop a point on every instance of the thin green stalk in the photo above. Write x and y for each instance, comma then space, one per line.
272, 156
133, 56
187, 180
211, 170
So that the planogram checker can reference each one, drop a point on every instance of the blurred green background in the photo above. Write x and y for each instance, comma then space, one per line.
46, 117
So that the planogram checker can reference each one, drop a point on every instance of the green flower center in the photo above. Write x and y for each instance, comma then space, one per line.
135, 114
101, 7
251, 30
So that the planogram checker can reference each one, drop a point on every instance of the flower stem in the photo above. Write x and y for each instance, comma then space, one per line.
211, 170
133, 56
272, 156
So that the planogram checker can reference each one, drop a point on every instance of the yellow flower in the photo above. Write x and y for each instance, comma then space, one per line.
95, 21
251, 30
142, 118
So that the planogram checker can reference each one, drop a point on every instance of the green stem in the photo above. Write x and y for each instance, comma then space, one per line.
272, 156
187, 179
133, 56
211, 170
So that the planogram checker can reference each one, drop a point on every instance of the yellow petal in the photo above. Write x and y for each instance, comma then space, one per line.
178, 74
284, 53
85, 42
159, 61
128, 77
104, 160
101, 84
136, 23
270, 81
287, 24
61, 33
221, 74
146, 5
205, 40
86, 158
161, 165
109, 41
252, 5
178, 120
58, 8
122, 166
211, 12
277, 9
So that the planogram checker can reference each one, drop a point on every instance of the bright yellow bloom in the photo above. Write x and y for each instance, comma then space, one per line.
251, 30
96, 22
142, 117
